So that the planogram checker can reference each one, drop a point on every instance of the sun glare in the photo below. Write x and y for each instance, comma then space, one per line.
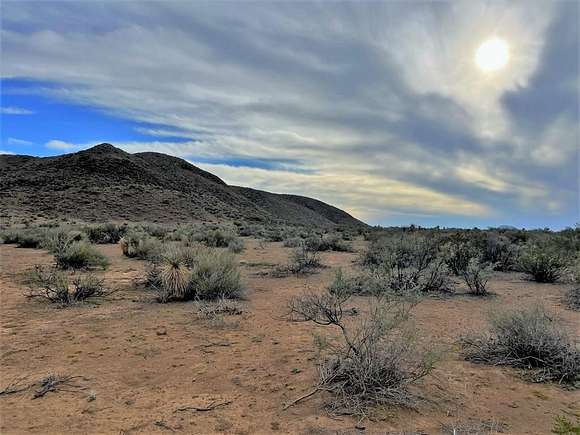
492, 55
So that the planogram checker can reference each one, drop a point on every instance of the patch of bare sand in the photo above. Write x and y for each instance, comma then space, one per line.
143, 361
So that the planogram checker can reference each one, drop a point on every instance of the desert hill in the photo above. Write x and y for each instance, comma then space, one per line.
106, 183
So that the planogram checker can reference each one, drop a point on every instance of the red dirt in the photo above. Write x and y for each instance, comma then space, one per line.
140, 376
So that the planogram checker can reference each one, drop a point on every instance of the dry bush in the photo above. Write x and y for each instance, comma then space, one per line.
105, 233
54, 285
528, 338
476, 275
543, 262
214, 309
80, 255
375, 361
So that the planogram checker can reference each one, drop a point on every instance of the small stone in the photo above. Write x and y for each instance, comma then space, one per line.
161, 330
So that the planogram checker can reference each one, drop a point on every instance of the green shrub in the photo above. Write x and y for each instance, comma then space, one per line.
219, 238
531, 339
542, 262
195, 273
105, 233
293, 242
80, 255
216, 275
563, 426
476, 276
404, 251
572, 296
10, 236
140, 245
500, 252
457, 255
236, 245
30, 239
328, 242
56, 240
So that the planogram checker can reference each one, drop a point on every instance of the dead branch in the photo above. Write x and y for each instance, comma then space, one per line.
211, 406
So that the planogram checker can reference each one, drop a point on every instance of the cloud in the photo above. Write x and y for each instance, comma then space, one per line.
14, 141
382, 95
6, 152
15, 111
66, 146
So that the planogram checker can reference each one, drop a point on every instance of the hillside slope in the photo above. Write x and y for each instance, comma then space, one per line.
106, 183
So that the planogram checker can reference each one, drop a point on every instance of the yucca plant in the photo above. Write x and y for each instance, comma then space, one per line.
173, 276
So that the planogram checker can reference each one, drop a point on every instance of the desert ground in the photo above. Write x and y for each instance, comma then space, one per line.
142, 367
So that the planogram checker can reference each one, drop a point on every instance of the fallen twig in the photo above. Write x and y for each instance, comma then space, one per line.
14, 387
212, 405
56, 383
301, 398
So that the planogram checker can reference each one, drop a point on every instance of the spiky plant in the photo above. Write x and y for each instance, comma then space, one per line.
173, 277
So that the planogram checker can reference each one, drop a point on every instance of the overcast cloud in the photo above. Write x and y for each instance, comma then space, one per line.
376, 107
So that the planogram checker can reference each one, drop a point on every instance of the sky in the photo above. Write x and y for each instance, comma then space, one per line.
397, 112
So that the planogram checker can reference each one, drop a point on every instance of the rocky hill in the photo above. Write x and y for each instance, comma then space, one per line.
106, 183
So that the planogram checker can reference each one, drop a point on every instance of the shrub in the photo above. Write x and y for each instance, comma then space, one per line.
220, 238
80, 255
476, 276
87, 286
53, 285
105, 233
10, 236
457, 255
174, 278
251, 230
213, 309
293, 242
542, 262
236, 245
328, 242
216, 275
563, 426
500, 252
407, 282
572, 297
204, 274
140, 245
304, 260
531, 339
403, 251
436, 278
56, 240
29, 239
375, 361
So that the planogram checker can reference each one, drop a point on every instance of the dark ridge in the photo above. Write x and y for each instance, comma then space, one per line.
106, 183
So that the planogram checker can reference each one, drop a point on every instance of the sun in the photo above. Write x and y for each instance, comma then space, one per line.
492, 55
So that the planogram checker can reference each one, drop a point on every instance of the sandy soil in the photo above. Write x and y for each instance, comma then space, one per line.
141, 360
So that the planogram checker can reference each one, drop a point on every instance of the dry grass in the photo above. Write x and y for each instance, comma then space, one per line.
531, 339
